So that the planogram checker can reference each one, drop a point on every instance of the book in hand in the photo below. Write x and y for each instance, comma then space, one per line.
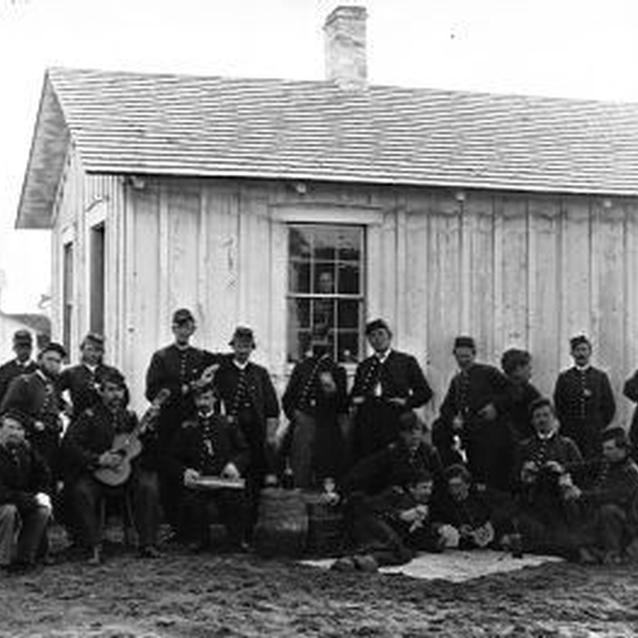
219, 483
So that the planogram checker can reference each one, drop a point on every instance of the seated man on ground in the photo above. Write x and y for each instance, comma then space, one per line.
546, 516
392, 526
610, 505
209, 446
407, 456
88, 450
465, 519
25, 506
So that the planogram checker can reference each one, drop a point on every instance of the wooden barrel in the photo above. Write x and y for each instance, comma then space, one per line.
282, 524
326, 527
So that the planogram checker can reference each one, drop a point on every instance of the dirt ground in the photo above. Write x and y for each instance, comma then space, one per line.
241, 595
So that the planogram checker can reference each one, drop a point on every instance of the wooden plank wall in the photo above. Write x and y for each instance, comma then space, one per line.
512, 270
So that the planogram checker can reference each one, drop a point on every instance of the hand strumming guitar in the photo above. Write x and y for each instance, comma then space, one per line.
109, 459
230, 471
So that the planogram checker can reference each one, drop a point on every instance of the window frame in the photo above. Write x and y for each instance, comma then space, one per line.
359, 297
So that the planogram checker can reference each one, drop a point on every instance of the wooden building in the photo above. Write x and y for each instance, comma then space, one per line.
511, 218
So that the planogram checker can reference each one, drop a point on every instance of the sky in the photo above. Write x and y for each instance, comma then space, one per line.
568, 48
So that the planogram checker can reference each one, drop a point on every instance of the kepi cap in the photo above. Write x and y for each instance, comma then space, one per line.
22, 337
578, 340
464, 341
377, 324
182, 316
243, 333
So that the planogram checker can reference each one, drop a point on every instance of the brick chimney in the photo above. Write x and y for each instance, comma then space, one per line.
345, 44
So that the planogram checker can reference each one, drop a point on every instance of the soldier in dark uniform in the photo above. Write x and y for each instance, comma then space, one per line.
177, 368
472, 426
385, 385
610, 503
22, 364
391, 527
83, 380
316, 403
543, 470
517, 366
408, 456
584, 400
25, 504
208, 445
87, 447
36, 395
250, 402
630, 390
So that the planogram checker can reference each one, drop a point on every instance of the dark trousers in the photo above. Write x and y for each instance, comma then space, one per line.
390, 543
200, 508
47, 444
31, 526
608, 528
375, 426
86, 495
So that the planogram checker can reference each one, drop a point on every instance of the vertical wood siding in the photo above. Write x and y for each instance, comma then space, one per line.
512, 270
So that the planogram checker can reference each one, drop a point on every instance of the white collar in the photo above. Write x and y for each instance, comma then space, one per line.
240, 366
582, 368
92, 369
27, 363
382, 357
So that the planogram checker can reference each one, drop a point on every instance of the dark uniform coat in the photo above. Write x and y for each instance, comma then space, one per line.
630, 390
249, 398
394, 465
82, 384
38, 398
585, 406
488, 444
11, 370
23, 473
520, 396
376, 420
305, 394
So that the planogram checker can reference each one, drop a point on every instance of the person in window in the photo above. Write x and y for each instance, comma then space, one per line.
385, 385
83, 380
323, 308
22, 364
25, 503
36, 395
316, 403
584, 400
250, 402
471, 426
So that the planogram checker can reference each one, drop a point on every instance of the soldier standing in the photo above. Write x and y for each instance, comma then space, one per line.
584, 400
386, 384
22, 364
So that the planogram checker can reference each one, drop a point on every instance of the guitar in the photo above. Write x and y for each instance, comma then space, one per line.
127, 445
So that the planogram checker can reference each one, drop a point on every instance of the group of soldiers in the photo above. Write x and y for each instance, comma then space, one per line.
507, 466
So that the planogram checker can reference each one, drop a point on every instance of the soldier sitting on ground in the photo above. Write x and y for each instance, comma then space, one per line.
464, 516
392, 526
546, 515
610, 505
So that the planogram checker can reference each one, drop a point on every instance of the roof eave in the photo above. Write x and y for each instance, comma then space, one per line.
49, 147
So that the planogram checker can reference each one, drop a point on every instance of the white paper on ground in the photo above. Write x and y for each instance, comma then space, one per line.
456, 565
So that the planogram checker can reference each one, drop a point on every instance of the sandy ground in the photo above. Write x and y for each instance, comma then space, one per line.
214, 596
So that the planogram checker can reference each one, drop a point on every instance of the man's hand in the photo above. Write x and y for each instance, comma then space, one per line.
572, 492
357, 400
109, 459
190, 477
529, 472
38, 426
554, 466
43, 500
488, 412
231, 471
410, 516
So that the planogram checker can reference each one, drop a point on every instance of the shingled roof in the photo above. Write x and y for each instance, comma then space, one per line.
136, 123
